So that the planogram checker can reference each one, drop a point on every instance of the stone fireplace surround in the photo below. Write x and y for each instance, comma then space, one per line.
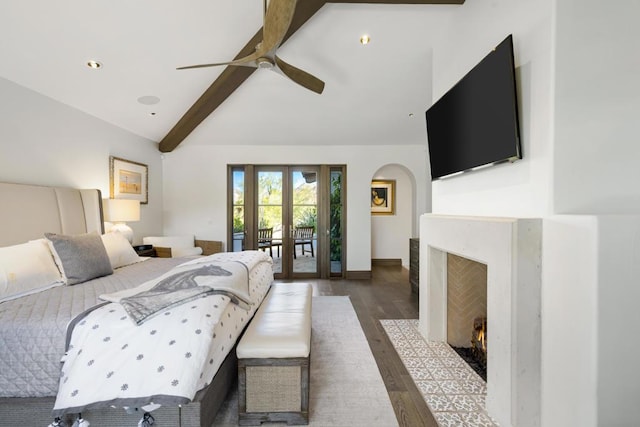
511, 249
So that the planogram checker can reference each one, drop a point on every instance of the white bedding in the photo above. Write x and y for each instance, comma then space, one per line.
166, 359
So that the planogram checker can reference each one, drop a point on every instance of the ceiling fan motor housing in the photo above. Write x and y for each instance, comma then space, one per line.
265, 63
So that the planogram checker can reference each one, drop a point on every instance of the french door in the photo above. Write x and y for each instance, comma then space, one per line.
294, 213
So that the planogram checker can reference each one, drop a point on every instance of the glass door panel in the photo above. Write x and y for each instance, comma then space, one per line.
270, 214
304, 216
238, 210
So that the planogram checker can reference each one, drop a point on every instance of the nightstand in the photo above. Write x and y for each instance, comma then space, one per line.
145, 250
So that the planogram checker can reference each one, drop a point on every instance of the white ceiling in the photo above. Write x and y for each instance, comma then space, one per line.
369, 94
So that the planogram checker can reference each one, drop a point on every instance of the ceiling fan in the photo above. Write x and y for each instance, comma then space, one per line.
277, 19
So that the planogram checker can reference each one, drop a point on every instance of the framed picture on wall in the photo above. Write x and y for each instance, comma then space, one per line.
383, 197
128, 180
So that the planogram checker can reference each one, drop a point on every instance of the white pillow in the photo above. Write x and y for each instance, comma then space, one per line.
119, 249
26, 269
182, 252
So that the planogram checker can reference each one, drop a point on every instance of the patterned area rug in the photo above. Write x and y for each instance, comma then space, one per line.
454, 393
346, 386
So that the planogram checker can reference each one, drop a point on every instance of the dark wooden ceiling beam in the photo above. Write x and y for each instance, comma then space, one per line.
232, 77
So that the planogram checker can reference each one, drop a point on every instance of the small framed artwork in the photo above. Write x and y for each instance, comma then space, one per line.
128, 180
383, 197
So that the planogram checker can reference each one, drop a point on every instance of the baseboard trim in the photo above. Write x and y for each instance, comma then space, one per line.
387, 262
358, 275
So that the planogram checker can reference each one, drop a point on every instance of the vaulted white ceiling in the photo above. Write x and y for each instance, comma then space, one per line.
370, 91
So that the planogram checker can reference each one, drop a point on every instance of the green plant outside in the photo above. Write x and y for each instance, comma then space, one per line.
335, 217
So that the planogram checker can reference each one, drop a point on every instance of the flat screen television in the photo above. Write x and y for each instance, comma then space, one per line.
476, 122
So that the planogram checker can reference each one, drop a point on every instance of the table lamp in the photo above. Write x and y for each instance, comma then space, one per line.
120, 211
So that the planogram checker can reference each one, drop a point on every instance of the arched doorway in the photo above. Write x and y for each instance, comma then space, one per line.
390, 233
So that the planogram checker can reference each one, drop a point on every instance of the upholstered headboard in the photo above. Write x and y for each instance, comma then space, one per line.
29, 211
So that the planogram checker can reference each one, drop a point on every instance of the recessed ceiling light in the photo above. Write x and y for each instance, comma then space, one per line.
94, 64
148, 100
365, 39
411, 115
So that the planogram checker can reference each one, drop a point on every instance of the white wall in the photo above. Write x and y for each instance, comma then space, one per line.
618, 391
195, 185
44, 142
522, 188
597, 100
390, 234
597, 104
569, 321
591, 266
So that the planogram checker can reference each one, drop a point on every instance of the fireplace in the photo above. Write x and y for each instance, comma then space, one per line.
510, 248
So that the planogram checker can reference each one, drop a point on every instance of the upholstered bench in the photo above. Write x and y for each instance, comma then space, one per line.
273, 358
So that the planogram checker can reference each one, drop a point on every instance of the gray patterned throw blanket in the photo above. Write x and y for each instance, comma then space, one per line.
185, 283
177, 289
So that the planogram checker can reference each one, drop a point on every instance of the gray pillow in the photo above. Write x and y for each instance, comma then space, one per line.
80, 257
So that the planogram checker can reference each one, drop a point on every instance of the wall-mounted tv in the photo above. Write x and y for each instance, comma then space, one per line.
476, 122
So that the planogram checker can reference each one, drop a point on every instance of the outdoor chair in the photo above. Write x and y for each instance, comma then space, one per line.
265, 239
303, 236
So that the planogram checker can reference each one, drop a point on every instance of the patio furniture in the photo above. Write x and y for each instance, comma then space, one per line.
303, 236
265, 239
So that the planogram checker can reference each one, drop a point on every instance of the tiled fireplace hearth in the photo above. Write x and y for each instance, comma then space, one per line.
511, 250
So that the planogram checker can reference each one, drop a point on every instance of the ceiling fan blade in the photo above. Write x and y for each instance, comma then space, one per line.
247, 61
301, 77
276, 24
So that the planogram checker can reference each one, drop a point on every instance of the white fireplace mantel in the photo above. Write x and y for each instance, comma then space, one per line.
511, 249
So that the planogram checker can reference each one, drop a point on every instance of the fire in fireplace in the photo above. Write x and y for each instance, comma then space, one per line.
476, 355
479, 341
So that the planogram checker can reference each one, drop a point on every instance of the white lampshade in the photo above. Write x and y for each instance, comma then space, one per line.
121, 210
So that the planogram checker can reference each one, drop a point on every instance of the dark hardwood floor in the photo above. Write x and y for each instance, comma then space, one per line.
387, 295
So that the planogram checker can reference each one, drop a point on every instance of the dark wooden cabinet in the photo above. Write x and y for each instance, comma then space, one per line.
414, 264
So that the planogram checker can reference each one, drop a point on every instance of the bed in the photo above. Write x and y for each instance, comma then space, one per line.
33, 327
